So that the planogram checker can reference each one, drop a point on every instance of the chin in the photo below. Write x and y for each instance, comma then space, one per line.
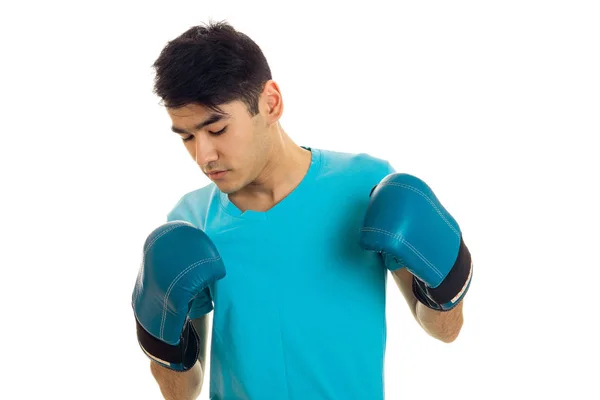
226, 188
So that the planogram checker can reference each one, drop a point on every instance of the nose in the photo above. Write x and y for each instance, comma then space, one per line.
206, 151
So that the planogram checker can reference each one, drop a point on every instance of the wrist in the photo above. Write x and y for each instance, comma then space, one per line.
176, 385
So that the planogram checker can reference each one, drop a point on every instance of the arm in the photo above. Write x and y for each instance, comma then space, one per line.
423, 246
442, 325
175, 385
172, 289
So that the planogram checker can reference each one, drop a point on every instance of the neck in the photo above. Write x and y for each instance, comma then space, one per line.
286, 167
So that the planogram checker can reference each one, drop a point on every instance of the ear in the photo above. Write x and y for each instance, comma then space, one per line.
271, 102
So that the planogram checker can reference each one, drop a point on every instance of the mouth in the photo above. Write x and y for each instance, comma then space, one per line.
216, 175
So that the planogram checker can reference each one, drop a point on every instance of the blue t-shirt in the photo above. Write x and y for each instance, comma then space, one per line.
300, 313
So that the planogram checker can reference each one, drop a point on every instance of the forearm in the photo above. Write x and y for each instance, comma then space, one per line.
442, 325
178, 385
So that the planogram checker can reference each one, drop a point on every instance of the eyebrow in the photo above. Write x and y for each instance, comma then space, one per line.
210, 120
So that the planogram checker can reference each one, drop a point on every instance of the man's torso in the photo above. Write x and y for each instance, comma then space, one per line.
301, 311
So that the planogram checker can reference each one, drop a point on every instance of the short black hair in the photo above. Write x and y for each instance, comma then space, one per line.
210, 65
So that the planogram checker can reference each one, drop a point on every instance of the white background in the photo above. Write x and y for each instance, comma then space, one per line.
495, 104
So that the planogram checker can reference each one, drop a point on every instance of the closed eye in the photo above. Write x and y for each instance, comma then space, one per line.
191, 137
222, 131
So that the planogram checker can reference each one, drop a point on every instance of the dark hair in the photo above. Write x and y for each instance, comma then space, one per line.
212, 64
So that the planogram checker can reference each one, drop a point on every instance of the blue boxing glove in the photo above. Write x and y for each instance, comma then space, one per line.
407, 224
179, 263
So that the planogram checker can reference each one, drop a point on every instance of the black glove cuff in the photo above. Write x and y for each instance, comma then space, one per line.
453, 287
179, 358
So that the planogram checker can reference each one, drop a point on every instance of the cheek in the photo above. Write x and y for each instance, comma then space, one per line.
191, 148
239, 149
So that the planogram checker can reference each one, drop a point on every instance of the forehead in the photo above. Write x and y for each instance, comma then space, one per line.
198, 112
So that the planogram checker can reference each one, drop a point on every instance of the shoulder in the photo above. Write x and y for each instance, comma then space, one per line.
356, 165
193, 206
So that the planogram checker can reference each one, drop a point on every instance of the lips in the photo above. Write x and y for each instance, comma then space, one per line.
216, 174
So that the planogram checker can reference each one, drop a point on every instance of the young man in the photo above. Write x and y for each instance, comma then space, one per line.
289, 246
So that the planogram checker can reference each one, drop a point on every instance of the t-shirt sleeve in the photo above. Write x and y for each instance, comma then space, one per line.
179, 213
389, 168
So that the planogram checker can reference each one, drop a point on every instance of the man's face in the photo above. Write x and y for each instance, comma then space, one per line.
230, 147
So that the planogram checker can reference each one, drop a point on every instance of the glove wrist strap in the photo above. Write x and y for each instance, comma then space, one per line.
180, 357
453, 288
